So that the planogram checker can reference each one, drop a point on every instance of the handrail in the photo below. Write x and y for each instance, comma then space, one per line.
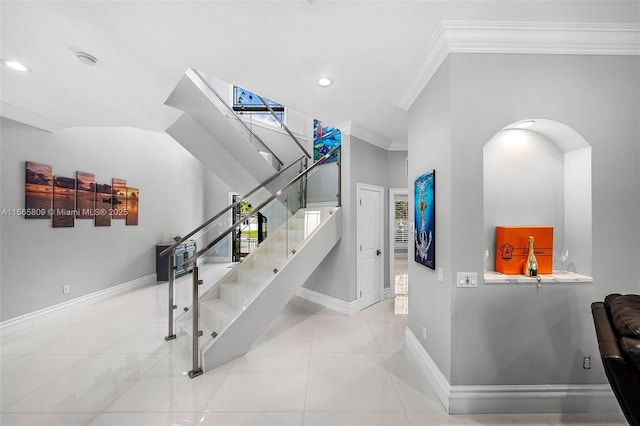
284, 126
230, 206
210, 87
258, 208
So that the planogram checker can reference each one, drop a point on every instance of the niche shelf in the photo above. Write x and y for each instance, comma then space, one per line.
538, 172
556, 277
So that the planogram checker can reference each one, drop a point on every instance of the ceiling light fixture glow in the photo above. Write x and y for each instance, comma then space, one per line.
325, 81
15, 65
524, 124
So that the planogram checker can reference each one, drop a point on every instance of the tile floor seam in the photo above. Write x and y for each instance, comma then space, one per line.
4, 410
124, 390
215, 392
306, 391
395, 386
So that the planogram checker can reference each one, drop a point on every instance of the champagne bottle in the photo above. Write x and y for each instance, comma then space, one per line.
531, 263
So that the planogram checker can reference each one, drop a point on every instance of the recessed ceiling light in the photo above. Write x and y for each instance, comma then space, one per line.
15, 65
86, 58
524, 124
325, 81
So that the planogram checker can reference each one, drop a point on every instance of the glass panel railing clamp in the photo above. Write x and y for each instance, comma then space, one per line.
200, 333
195, 373
275, 270
214, 335
172, 337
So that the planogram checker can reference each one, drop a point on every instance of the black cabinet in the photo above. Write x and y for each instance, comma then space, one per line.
181, 253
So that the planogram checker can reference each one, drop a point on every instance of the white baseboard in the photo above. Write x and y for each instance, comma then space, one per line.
338, 305
596, 398
438, 381
40, 316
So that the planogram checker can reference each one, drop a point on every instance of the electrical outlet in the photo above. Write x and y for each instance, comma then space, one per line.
440, 274
65, 289
467, 279
586, 363
424, 332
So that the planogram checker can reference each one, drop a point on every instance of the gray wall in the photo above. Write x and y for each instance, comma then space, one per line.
430, 148
335, 276
37, 260
396, 163
517, 334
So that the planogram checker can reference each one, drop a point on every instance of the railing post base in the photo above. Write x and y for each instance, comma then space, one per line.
195, 373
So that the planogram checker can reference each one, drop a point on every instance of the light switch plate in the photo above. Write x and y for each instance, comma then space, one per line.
467, 279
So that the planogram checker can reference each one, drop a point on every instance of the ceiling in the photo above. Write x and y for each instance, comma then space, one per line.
371, 49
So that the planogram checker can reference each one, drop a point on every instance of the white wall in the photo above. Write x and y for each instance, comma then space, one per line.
517, 334
37, 260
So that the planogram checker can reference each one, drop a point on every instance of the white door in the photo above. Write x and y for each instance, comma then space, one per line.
369, 244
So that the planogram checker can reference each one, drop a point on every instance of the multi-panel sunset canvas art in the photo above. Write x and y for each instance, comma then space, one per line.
85, 195
119, 199
64, 202
38, 191
103, 204
133, 196
65, 199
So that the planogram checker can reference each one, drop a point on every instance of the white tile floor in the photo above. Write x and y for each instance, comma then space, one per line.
109, 365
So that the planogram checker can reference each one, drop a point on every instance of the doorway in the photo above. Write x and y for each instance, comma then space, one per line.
399, 249
370, 241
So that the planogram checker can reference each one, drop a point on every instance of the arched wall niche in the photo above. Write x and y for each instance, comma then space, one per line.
538, 172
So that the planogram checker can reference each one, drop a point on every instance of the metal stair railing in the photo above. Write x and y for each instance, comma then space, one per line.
205, 227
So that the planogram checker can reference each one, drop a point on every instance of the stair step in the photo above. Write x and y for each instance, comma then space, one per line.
185, 323
214, 314
253, 274
235, 294
268, 260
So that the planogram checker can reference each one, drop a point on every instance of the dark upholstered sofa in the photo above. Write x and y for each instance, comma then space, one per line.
617, 322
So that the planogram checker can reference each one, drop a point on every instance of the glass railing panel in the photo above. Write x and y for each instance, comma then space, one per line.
221, 222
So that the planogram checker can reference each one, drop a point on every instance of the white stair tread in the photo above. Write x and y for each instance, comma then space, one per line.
219, 306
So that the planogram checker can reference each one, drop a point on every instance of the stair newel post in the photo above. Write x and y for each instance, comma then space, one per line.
172, 279
195, 310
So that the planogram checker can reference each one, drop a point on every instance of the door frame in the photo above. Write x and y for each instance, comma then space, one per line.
392, 250
360, 186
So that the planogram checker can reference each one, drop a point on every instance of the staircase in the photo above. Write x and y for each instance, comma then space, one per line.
213, 133
224, 322
241, 306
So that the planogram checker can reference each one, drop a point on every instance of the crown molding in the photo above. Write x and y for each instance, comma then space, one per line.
518, 37
30, 118
354, 129
398, 146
